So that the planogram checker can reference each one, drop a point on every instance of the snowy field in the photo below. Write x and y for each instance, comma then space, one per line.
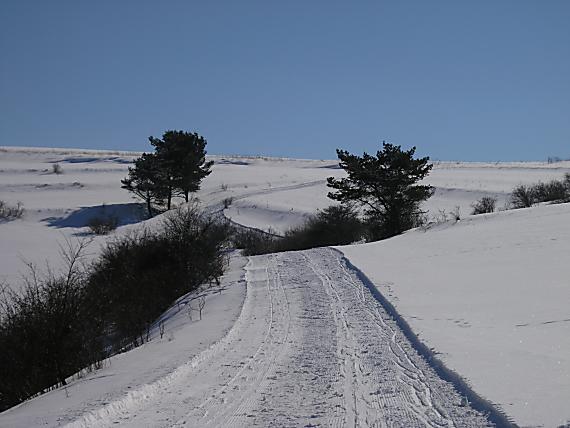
489, 295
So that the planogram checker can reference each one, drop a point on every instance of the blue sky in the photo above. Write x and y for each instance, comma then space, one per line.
478, 80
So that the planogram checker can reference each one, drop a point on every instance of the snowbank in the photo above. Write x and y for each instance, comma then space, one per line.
490, 294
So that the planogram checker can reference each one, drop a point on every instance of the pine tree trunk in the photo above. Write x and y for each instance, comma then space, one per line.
148, 205
169, 197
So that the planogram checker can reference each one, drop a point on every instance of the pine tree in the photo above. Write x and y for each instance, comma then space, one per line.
182, 156
146, 181
385, 186
176, 168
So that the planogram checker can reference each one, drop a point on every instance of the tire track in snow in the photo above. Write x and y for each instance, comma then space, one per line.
255, 374
392, 385
311, 347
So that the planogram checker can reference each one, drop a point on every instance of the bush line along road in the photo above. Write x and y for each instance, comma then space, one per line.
311, 347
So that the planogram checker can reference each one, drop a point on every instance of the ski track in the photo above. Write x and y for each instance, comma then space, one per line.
312, 347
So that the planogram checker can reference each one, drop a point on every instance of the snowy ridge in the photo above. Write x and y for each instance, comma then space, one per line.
64, 151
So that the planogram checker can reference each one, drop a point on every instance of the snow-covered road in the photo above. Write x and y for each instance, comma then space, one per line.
312, 347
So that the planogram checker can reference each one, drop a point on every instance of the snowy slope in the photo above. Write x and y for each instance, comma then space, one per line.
58, 207
491, 295
140, 372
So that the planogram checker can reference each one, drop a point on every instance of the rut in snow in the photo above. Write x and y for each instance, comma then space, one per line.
312, 347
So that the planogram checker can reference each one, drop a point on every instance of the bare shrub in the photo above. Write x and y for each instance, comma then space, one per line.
227, 202
557, 191
200, 305
484, 205
11, 212
335, 225
253, 241
440, 217
46, 331
56, 169
63, 323
139, 276
455, 214
552, 191
522, 197
103, 225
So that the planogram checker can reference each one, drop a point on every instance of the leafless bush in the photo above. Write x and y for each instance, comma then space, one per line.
103, 225
10, 212
484, 205
553, 191
200, 304
522, 197
46, 330
56, 168
455, 214
63, 323
253, 241
334, 225
138, 277
440, 217
227, 202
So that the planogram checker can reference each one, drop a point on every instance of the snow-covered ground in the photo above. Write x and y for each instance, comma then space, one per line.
143, 371
311, 347
489, 295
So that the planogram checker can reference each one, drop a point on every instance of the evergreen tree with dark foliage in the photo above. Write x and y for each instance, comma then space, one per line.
176, 168
385, 186
182, 157
146, 181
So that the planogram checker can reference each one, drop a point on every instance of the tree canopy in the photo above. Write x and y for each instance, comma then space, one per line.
176, 168
145, 181
182, 156
384, 186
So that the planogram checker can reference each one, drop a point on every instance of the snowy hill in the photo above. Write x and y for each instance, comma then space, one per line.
489, 294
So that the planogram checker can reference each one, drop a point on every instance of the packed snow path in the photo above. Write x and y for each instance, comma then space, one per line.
312, 347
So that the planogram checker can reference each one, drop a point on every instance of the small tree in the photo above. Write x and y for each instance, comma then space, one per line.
145, 181
182, 157
385, 186
201, 304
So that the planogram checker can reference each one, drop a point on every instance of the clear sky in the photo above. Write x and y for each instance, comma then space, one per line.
461, 80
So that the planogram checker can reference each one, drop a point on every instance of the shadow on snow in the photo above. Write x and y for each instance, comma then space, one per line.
124, 213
